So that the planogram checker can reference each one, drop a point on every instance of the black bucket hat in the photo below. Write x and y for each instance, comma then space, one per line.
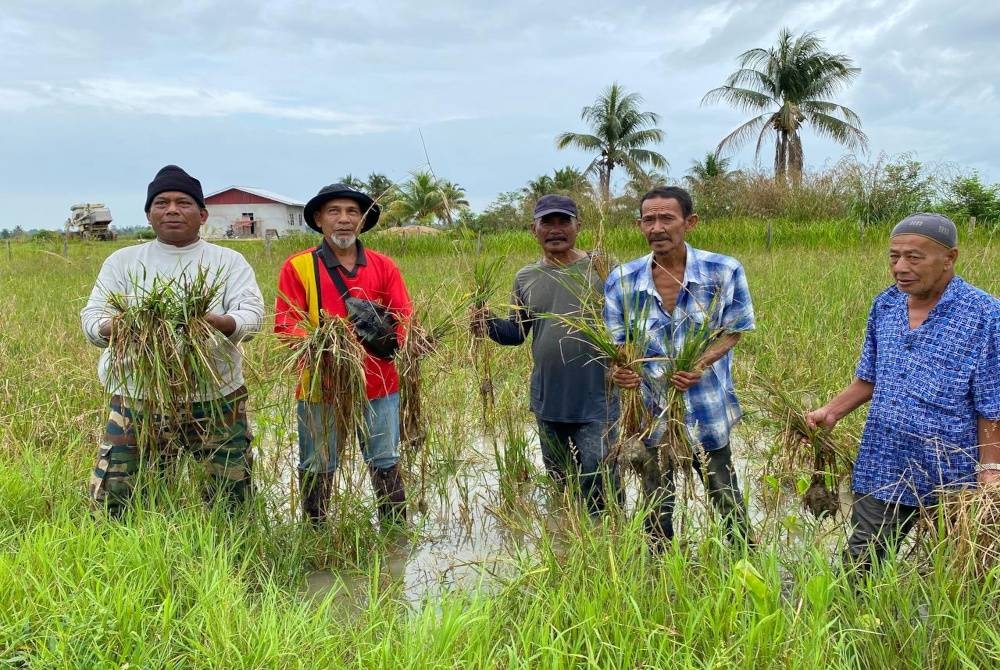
369, 208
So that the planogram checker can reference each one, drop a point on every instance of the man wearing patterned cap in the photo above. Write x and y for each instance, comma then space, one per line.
930, 366
215, 429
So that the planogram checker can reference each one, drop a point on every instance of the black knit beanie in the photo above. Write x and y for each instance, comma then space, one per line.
172, 178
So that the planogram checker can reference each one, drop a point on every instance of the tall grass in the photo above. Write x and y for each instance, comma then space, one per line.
183, 585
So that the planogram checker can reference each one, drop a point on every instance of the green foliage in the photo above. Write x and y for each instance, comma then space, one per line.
507, 212
425, 200
968, 196
887, 190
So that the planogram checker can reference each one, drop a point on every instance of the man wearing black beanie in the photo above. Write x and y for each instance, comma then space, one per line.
213, 426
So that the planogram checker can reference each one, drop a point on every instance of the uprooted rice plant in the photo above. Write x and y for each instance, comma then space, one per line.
823, 456
163, 351
332, 359
486, 279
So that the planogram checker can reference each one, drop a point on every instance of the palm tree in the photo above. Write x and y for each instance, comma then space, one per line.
571, 181
536, 188
425, 198
641, 183
797, 78
620, 133
380, 187
712, 167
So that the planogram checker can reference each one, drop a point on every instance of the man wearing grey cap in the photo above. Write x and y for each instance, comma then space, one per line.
930, 366
570, 397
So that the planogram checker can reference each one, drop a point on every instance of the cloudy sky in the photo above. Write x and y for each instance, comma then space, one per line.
288, 95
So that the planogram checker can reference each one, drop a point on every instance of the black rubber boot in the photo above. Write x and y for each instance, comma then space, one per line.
314, 494
390, 496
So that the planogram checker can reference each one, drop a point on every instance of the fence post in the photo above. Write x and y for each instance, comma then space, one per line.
10, 255
769, 236
972, 224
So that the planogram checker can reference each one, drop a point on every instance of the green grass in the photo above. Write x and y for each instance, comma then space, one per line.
180, 585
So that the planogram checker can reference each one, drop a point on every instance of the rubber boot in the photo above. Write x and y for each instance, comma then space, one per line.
314, 494
387, 485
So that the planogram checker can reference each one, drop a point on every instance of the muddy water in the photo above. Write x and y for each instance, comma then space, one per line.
464, 539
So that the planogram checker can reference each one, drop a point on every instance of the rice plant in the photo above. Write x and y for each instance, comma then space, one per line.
827, 459
333, 373
676, 449
589, 325
966, 529
162, 350
424, 337
486, 278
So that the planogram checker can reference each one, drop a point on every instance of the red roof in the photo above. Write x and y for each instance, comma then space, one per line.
238, 195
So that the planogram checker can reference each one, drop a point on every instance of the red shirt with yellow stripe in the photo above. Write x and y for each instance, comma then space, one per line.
374, 277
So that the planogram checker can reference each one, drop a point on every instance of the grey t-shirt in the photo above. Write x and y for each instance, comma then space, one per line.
569, 380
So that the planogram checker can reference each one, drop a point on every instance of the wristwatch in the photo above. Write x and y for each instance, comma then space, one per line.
987, 466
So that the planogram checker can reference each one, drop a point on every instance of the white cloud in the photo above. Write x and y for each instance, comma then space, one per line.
14, 100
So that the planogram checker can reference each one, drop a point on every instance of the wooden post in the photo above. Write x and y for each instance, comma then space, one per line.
10, 256
972, 224
769, 236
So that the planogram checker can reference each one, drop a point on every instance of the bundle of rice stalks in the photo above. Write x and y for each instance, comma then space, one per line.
803, 448
968, 529
634, 422
424, 336
162, 349
486, 278
675, 448
333, 363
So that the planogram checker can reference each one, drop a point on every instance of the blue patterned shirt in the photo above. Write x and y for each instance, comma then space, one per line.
931, 385
714, 288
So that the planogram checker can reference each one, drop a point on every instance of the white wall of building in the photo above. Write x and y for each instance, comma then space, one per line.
283, 218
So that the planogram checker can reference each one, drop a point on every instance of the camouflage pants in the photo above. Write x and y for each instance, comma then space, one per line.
215, 433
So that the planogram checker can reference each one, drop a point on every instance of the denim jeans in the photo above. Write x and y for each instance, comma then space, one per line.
318, 439
581, 448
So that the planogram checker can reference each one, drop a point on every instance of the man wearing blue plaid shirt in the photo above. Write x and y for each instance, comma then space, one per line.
666, 295
930, 366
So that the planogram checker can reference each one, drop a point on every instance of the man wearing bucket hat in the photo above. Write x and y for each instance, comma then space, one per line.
575, 407
329, 277
930, 367
216, 430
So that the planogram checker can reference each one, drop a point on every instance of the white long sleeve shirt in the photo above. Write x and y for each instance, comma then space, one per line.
132, 269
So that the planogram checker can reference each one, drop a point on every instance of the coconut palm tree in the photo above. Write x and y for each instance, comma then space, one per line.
425, 198
791, 83
620, 131
379, 186
711, 167
641, 183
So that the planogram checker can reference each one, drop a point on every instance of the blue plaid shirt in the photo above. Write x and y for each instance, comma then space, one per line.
931, 385
714, 288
